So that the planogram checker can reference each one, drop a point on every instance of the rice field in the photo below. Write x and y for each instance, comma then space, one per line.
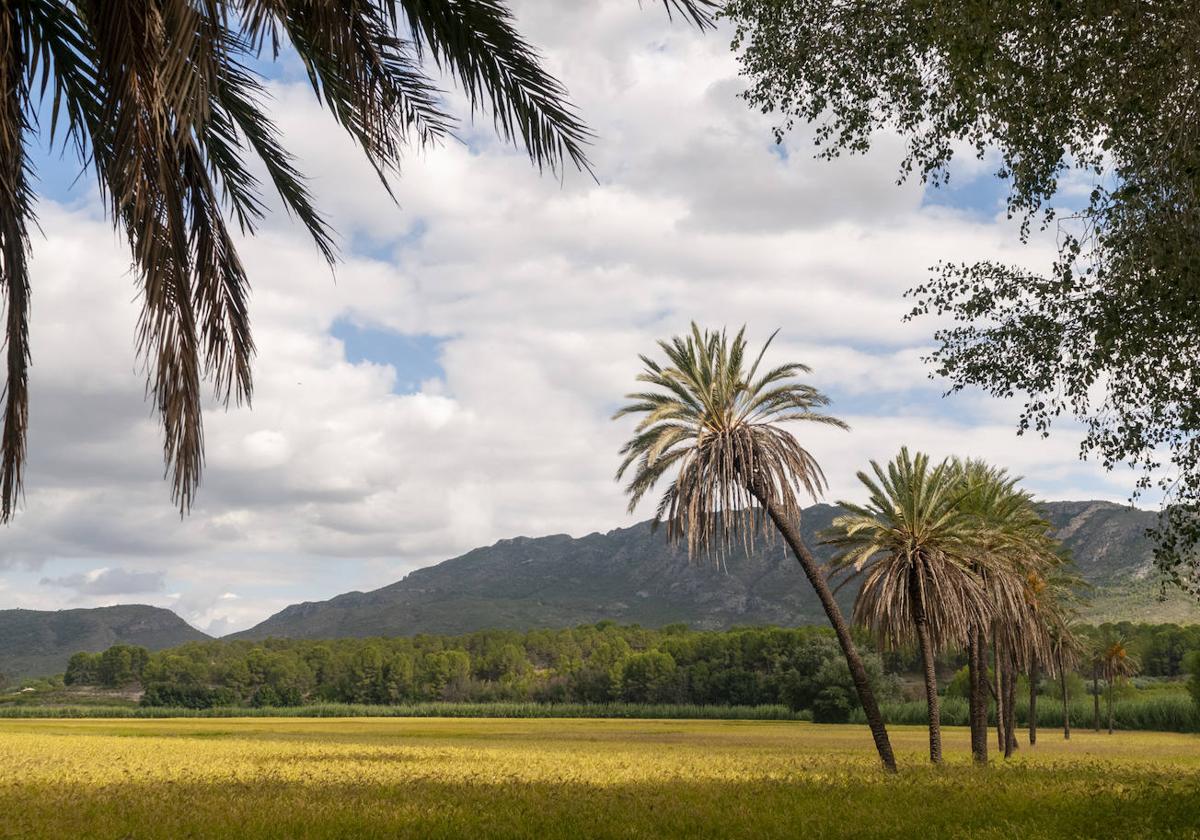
566, 778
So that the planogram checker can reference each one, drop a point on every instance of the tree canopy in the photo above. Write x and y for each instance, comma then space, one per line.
1100, 92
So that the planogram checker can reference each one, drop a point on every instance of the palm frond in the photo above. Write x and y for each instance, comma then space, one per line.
16, 210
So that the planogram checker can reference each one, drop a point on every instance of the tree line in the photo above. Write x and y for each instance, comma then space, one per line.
801, 668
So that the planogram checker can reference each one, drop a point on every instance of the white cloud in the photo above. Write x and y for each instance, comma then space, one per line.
544, 293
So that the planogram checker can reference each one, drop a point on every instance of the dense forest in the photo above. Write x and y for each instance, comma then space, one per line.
801, 668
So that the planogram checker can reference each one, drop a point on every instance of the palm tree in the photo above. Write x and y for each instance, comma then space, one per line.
1117, 664
1053, 593
715, 421
162, 100
1035, 586
1067, 649
1095, 659
910, 544
1009, 542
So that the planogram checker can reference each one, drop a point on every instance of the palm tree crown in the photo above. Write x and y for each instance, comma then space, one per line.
715, 417
162, 100
1118, 661
1013, 555
911, 543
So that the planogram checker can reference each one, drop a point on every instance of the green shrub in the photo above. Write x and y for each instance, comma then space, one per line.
832, 705
188, 697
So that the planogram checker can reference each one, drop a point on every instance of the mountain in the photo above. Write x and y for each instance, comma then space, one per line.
36, 643
633, 575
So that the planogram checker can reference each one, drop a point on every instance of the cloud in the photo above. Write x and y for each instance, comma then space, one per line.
534, 295
104, 581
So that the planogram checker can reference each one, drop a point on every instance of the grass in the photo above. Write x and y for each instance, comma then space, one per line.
422, 710
1157, 711
509, 778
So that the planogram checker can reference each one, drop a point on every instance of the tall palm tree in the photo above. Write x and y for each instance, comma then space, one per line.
713, 419
910, 544
1118, 663
164, 102
1009, 541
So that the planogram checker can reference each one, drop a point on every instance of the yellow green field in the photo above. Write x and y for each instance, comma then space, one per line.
422, 778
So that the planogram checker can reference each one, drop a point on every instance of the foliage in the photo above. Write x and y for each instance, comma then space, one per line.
505, 779
1098, 92
118, 666
1160, 648
165, 103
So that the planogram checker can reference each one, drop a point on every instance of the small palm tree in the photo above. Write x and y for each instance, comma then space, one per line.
1067, 650
1095, 660
1118, 663
164, 102
910, 544
714, 421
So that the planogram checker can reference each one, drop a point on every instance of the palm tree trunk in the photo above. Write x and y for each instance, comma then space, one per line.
977, 678
1010, 708
1033, 693
1001, 740
928, 660
1096, 698
1111, 692
1062, 672
858, 672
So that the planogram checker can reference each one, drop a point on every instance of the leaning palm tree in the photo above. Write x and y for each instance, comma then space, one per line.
712, 419
164, 102
910, 544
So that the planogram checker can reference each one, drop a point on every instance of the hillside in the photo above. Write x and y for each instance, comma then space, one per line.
632, 575
36, 643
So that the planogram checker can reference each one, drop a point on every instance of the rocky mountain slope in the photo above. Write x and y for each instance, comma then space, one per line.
34, 643
632, 575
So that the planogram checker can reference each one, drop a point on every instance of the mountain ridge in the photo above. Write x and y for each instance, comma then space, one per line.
631, 575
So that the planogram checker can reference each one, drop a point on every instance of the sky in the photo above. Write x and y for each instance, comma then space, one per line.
451, 382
